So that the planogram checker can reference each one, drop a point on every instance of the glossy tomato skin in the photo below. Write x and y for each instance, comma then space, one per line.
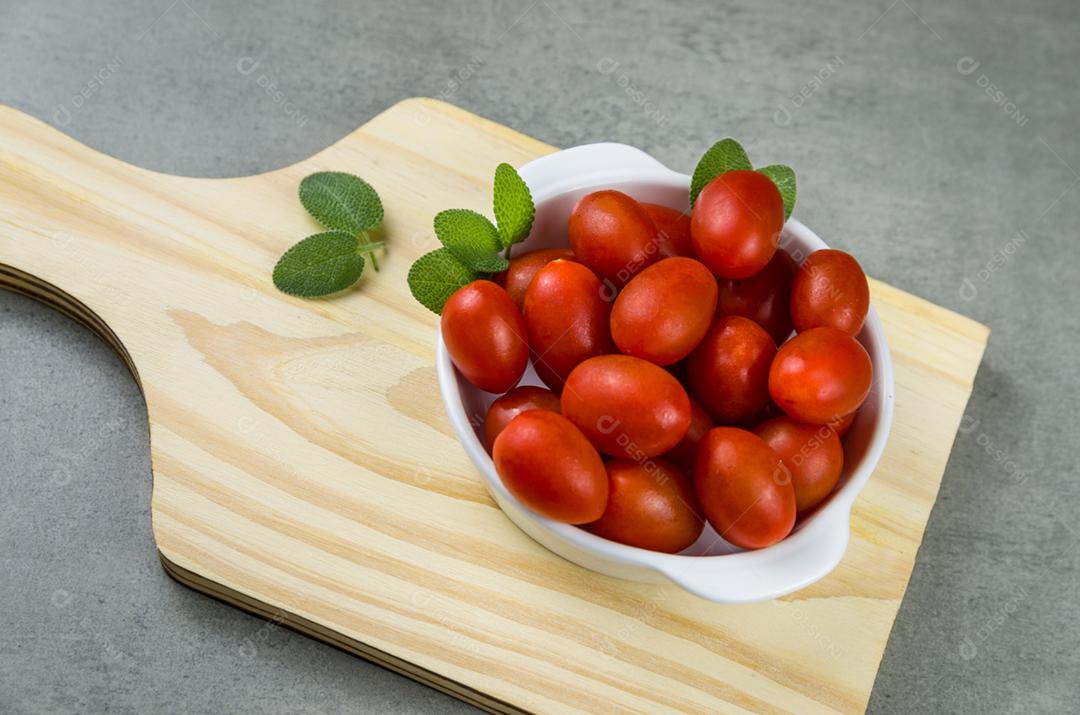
830, 290
567, 318
523, 269
650, 506
611, 234
728, 372
520, 399
683, 454
485, 335
736, 223
764, 297
811, 454
820, 376
664, 311
672, 230
549, 466
743, 489
627, 407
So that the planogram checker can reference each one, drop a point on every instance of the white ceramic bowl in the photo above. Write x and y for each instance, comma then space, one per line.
711, 567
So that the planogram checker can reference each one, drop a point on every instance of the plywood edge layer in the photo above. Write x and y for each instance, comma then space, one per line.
352, 646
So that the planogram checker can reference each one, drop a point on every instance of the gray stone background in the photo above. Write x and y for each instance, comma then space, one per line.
938, 142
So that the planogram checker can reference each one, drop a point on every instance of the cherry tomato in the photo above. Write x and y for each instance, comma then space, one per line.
520, 399
736, 223
672, 230
830, 290
684, 452
820, 375
763, 297
842, 425
664, 311
567, 319
650, 506
523, 269
612, 235
728, 372
742, 486
811, 454
485, 335
626, 406
551, 468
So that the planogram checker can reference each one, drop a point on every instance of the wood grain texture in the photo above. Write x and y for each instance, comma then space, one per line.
304, 469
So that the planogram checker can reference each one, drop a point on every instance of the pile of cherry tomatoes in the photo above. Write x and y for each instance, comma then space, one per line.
669, 402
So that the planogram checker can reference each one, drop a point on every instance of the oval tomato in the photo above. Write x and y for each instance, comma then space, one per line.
685, 451
728, 372
612, 235
742, 486
820, 376
523, 269
520, 399
567, 319
736, 223
664, 311
626, 406
830, 290
763, 297
549, 466
672, 230
485, 335
811, 454
650, 506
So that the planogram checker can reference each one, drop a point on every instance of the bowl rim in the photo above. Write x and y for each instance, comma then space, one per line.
827, 517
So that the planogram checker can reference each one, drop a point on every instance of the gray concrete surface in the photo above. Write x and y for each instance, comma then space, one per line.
907, 156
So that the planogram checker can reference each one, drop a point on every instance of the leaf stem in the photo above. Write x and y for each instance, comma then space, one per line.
506, 254
368, 246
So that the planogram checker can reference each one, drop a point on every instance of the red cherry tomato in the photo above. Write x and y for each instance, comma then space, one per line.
523, 269
820, 375
612, 235
664, 311
567, 318
728, 372
485, 335
830, 290
811, 454
672, 230
626, 406
685, 451
520, 399
741, 485
650, 506
763, 297
736, 223
842, 425
551, 468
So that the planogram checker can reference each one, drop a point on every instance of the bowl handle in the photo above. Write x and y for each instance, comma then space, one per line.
585, 164
794, 563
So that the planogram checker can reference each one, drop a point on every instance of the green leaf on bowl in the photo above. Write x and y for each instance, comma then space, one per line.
514, 209
436, 276
724, 155
472, 238
784, 178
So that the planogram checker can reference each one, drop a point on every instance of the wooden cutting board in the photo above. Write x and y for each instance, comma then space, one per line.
304, 468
